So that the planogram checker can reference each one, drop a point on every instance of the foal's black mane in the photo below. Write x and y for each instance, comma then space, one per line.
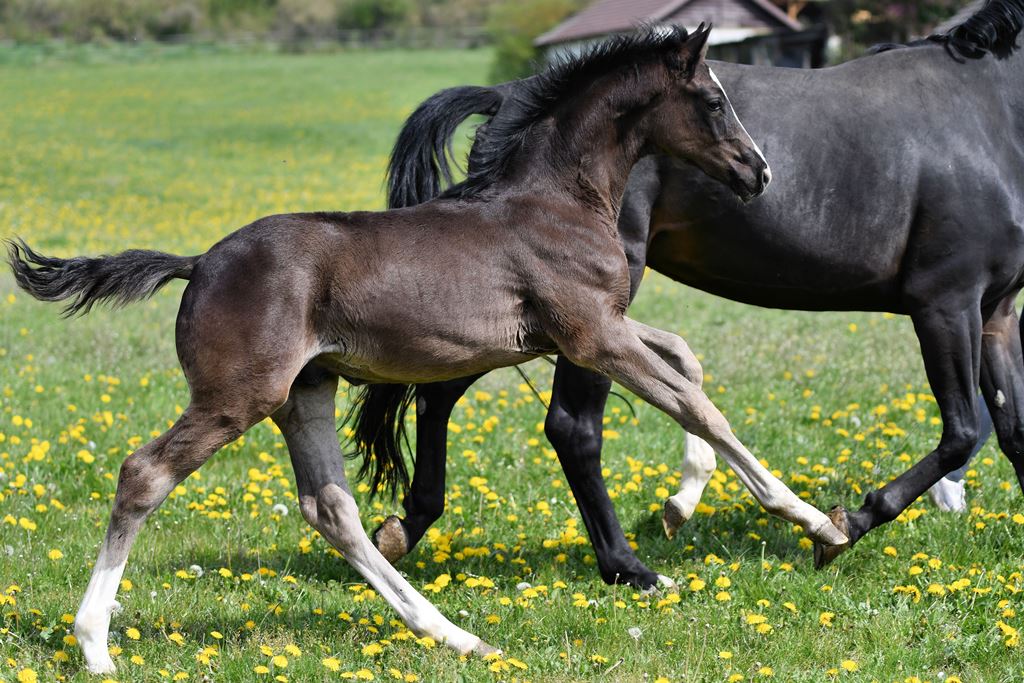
992, 29
536, 98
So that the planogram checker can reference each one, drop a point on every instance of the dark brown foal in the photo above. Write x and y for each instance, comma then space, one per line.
521, 260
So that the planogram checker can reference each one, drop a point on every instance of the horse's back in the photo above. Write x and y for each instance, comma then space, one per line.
863, 155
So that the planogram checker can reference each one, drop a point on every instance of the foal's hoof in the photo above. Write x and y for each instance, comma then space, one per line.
391, 540
825, 553
672, 518
483, 649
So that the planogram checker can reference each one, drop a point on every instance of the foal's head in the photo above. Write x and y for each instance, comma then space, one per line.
645, 92
692, 119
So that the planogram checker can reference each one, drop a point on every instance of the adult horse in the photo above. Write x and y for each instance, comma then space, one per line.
902, 190
278, 310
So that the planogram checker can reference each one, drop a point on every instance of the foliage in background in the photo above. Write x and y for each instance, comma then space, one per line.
863, 23
123, 20
511, 24
514, 25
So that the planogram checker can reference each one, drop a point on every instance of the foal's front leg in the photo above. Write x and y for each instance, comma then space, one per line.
698, 457
619, 348
307, 422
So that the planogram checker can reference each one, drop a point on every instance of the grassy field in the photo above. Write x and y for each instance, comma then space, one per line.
227, 582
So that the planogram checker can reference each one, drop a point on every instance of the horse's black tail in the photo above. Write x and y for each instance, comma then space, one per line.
118, 279
420, 163
422, 157
379, 416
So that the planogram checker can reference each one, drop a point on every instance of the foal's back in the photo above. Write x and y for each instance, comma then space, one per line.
440, 290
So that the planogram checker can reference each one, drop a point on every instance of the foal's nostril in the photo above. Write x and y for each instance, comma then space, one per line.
766, 177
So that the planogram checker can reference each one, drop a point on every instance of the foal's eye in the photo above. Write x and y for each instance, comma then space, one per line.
714, 105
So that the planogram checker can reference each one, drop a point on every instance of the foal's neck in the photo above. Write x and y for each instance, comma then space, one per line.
591, 149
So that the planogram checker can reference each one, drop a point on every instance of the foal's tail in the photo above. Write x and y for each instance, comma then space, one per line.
119, 279
422, 157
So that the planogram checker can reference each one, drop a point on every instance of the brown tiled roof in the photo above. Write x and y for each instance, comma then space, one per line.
613, 16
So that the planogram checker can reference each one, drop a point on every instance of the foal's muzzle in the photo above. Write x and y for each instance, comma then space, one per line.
750, 178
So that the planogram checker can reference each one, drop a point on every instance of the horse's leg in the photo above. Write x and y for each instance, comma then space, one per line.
307, 422
773, 495
698, 457
615, 348
147, 477
951, 347
699, 464
424, 503
574, 426
1002, 381
949, 493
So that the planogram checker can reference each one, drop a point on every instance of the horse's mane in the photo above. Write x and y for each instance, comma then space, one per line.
993, 29
538, 97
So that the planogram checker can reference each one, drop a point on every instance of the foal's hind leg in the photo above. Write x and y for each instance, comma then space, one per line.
424, 503
146, 478
1002, 381
307, 422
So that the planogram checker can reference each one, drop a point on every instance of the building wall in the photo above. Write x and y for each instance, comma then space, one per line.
727, 13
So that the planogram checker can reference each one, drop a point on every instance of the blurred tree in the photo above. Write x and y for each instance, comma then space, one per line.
456, 12
514, 24
302, 20
863, 23
375, 14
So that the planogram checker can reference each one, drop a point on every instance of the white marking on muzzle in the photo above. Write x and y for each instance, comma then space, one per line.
767, 168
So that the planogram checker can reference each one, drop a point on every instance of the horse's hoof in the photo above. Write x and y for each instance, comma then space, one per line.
391, 540
828, 532
103, 665
672, 518
948, 495
483, 649
824, 553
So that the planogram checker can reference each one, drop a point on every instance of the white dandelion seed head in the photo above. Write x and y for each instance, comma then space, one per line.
635, 632
523, 586
280, 509
196, 570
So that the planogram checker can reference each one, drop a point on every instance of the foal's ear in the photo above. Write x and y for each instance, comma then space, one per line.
694, 50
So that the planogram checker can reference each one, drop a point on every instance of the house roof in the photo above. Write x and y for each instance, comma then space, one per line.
614, 16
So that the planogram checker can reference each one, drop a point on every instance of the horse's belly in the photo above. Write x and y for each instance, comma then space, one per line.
778, 276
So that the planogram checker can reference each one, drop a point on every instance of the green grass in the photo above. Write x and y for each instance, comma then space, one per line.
174, 153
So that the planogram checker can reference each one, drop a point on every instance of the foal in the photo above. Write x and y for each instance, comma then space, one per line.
519, 261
